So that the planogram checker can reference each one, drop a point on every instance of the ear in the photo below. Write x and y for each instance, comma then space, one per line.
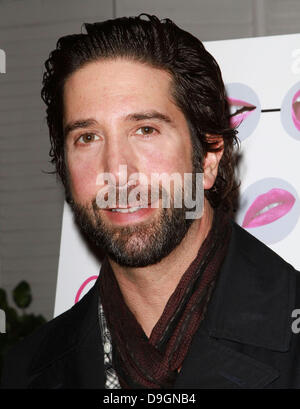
212, 160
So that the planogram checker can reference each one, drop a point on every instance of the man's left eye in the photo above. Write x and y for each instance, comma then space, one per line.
145, 130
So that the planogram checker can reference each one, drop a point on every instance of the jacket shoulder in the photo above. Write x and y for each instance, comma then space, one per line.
45, 345
256, 251
255, 295
18, 360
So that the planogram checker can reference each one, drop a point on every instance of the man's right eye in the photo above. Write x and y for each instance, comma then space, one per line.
87, 138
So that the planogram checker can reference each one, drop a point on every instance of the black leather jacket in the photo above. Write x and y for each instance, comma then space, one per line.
245, 341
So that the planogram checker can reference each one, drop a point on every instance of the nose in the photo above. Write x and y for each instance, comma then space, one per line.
120, 160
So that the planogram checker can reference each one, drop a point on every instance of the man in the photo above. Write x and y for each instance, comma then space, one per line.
179, 302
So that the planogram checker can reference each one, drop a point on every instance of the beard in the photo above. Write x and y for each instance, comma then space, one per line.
141, 244
137, 245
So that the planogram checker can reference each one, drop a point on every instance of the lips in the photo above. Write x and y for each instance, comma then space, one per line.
127, 210
130, 207
129, 217
239, 111
296, 110
268, 207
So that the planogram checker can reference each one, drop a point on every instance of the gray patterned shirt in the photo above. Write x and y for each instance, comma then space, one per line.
112, 381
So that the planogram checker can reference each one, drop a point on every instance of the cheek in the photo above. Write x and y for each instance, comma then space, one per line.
83, 181
159, 163
168, 160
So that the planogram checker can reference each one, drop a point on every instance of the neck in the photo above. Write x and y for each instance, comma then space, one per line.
146, 290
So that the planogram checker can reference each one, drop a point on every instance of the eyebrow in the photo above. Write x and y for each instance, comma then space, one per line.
134, 117
80, 124
140, 116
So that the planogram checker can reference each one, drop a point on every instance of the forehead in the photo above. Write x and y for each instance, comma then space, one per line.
117, 87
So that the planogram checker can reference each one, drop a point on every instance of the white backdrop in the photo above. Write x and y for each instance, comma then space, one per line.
263, 75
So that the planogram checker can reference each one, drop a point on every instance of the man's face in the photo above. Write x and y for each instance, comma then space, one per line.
124, 115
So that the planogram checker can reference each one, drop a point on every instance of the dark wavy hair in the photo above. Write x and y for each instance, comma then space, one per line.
197, 87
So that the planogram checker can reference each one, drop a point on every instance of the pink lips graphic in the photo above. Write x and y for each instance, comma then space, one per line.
296, 110
268, 207
83, 285
244, 109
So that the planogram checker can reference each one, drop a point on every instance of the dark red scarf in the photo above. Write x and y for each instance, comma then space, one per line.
142, 362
